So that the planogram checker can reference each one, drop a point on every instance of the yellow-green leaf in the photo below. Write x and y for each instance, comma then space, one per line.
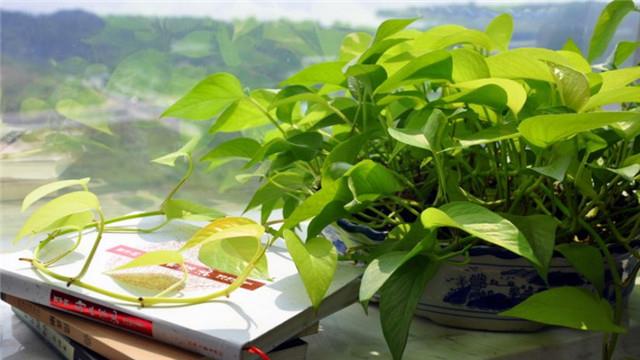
56, 209
234, 255
516, 94
47, 189
481, 223
226, 227
151, 258
606, 26
500, 30
615, 79
544, 130
208, 98
573, 86
316, 261
615, 96
570, 307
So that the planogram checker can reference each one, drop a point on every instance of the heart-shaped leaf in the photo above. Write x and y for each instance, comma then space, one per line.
227, 227
47, 189
316, 261
151, 258
234, 255
570, 307
208, 98
481, 223
56, 209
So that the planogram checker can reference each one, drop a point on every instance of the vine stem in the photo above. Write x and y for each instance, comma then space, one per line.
92, 253
150, 301
266, 113
184, 179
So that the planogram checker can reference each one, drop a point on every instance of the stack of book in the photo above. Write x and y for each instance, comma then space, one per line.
264, 319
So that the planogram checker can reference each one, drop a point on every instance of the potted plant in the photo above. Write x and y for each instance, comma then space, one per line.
418, 153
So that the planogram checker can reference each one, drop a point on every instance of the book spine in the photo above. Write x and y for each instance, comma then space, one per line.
66, 347
60, 343
98, 310
64, 327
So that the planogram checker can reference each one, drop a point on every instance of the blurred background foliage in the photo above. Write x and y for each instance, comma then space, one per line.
91, 87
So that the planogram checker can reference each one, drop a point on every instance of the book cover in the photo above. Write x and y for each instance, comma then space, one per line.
262, 313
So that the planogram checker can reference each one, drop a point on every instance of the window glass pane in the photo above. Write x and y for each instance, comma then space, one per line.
84, 83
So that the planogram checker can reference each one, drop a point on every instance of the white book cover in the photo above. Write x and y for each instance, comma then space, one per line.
262, 313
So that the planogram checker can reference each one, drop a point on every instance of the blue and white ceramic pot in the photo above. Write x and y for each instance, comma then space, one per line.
470, 296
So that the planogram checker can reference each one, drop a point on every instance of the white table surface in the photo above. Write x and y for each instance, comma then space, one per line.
350, 334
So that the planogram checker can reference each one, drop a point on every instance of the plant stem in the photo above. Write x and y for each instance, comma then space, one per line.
266, 113
92, 253
184, 179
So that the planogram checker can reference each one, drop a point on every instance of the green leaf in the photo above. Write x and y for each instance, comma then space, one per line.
615, 79
515, 93
353, 45
465, 36
381, 268
56, 209
615, 96
540, 232
428, 137
399, 298
366, 77
500, 30
513, 64
587, 260
151, 258
573, 86
569, 307
345, 152
468, 65
47, 189
368, 178
377, 49
562, 154
184, 151
391, 27
489, 95
628, 172
244, 114
227, 227
608, 21
489, 135
570, 45
481, 223
335, 191
275, 188
436, 65
184, 209
623, 50
208, 98
75, 221
236, 148
316, 261
234, 255
544, 130
321, 73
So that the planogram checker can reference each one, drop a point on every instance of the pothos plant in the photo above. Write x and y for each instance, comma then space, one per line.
440, 140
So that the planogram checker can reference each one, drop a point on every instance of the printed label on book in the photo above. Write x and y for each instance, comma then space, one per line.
99, 312
192, 269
